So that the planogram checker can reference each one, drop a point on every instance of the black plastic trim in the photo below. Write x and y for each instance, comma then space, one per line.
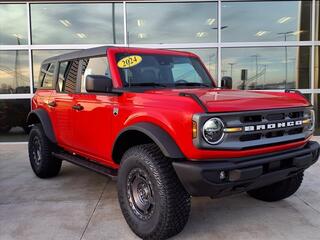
202, 178
232, 141
196, 99
45, 121
163, 140
87, 163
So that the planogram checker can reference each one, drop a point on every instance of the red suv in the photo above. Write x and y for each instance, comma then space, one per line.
156, 121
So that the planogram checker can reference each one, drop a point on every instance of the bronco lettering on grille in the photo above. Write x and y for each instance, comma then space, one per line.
270, 126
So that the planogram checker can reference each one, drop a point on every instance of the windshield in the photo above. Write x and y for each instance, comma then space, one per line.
161, 71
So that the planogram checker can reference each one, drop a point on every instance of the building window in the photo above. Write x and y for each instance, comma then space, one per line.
267, 67
99, 23
37, 57
13, 115
266, 21
14, 72
13, 24
172, 22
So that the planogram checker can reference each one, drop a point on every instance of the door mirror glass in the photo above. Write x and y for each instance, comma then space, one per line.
226, 82
98, 83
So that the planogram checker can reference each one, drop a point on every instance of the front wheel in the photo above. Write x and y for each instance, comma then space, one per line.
279, 190
152, 199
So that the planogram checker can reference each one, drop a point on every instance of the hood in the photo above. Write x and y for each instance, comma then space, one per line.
220, 100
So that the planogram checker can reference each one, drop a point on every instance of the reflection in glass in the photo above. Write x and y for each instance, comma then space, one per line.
13, 24
266, 21
267, 68
172, 22
208, 56
317, 67
317, 32
100, 23
13, 115
38, 56
14, 72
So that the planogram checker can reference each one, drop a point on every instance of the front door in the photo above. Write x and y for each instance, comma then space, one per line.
94, 114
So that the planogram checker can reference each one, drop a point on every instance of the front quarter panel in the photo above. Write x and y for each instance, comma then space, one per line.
173, 114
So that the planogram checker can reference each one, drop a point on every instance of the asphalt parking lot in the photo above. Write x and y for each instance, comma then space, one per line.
80, 204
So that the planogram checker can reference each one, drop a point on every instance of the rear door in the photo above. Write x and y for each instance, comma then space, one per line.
93, 118
64, 101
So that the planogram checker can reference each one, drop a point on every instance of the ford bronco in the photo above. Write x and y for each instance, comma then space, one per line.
155, 121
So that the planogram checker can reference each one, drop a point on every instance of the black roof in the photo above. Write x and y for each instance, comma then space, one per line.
78, 54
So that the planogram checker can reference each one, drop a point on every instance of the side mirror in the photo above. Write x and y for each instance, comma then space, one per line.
226, 82
98, 83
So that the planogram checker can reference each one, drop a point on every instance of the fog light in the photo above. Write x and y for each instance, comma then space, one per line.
222, 175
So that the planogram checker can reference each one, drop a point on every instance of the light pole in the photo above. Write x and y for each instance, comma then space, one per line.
256, 58
285, 34
265, 75
231, 67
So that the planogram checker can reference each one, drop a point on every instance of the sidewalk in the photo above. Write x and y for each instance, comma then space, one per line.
80, 204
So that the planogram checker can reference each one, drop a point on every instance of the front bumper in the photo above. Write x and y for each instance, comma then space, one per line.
224, 177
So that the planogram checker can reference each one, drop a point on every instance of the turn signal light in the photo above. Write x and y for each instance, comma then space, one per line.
194, 129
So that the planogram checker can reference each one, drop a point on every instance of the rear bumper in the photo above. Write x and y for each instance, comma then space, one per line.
225, 177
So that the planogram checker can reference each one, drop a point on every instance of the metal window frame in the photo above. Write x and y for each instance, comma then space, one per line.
218, 45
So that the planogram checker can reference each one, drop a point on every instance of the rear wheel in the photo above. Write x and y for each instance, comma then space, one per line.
152, 199
279, 190
43, 164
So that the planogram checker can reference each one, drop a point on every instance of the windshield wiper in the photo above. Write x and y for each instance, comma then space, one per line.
147, 84
191, 84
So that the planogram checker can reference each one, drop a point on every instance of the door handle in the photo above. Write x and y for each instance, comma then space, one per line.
77, 107
51, 103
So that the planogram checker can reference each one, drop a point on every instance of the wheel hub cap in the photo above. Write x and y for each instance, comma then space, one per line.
140, 194
36, 151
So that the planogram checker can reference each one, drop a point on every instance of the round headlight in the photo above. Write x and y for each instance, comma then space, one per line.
212, 130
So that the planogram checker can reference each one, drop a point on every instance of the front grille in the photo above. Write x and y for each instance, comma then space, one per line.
251, 119
275, 117
250, 137
259, 128
271, 118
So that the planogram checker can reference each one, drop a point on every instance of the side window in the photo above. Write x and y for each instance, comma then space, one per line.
43, 70
94, 66
67, 80
47, 74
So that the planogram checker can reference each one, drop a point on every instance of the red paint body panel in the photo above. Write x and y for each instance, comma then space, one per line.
92, 131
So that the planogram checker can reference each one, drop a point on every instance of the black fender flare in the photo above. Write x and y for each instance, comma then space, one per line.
158, 135
45, 121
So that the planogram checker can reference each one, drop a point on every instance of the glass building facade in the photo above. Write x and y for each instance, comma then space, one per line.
269, 45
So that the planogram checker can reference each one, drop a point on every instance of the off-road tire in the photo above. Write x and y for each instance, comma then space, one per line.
43, 164
279, 190
171, 201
